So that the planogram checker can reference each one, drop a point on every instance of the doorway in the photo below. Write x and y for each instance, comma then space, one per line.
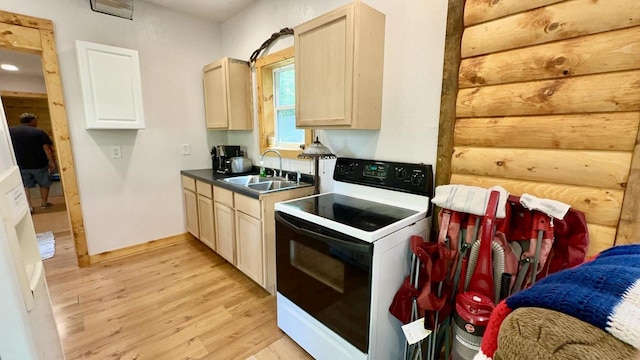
29, 35
55, 218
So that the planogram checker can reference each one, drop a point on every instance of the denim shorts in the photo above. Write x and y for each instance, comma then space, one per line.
31, 177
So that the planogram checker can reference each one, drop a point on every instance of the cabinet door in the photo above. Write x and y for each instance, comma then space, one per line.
111, 86
249, 247
215, 95
191, 212
225, 231
205, 212
324, 66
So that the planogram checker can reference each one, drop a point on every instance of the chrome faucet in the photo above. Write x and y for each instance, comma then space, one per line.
277, 153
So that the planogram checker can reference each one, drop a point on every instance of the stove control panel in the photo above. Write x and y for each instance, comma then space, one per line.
405, 177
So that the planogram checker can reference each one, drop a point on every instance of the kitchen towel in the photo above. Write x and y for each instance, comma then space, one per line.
469, 199
46, 244
604, 292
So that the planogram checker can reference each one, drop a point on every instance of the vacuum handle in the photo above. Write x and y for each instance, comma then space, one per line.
482, 279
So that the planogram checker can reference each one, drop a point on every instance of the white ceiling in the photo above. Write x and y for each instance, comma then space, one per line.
216, 10
28, 64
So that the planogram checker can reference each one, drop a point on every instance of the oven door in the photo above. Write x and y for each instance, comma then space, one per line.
327, 274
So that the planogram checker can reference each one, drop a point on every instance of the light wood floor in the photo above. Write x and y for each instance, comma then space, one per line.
178, 302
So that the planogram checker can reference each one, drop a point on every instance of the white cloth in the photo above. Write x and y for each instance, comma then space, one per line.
46, 244
553, 208
469, 199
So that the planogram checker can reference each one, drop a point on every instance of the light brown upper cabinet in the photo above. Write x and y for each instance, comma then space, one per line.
227, 86
339, 65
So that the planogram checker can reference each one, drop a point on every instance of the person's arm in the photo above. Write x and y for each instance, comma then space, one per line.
49, 151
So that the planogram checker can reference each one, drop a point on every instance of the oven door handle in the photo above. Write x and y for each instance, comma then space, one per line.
324, 238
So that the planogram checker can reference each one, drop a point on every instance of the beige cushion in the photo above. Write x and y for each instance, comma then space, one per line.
535, 333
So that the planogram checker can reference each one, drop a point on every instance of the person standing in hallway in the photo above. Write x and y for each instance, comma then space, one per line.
34, 154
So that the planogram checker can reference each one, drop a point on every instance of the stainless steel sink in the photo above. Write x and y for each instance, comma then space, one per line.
272, 185
245, 180
263, 184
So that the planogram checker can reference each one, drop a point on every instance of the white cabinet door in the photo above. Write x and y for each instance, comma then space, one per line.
111, 86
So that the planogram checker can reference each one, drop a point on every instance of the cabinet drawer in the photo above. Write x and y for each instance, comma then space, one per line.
223, 196
189, 183
248, 206
203, 188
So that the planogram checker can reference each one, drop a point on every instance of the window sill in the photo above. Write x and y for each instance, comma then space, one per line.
287, 153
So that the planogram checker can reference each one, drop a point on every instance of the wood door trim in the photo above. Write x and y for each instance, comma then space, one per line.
59, 122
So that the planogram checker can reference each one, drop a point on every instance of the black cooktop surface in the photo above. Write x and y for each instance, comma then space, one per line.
355, 212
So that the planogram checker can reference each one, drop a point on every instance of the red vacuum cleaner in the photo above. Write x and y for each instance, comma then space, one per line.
474, 306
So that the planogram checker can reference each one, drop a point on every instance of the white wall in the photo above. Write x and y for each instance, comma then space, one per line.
137, 198
413, 60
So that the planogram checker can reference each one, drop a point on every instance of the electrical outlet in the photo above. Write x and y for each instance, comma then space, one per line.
116, 152
186, 149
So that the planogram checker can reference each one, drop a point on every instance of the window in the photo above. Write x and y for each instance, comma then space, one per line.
276, 104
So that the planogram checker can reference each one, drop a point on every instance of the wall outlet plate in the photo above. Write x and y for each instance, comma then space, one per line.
116, 152
186, 149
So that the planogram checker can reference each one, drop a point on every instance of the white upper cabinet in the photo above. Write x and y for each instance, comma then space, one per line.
339, 65
227, 91
111, 86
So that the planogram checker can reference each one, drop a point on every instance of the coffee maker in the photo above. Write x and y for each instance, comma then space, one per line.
221, 157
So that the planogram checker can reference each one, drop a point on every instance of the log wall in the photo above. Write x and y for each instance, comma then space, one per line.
548, 103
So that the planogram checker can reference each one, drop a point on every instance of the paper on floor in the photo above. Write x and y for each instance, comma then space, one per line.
46, 244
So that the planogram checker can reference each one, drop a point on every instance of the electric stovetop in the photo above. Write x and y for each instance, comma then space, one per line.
355, 212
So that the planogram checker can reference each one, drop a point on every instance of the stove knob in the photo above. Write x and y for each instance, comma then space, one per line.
401, 173
416, 179
340, 169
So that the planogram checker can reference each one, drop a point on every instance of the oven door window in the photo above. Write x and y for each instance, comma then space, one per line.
327, 274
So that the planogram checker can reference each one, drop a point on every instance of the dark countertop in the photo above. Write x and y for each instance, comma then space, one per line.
214, 178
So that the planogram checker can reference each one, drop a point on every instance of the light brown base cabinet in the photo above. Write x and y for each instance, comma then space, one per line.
225, 221
190, 205
240, 228
205, 214
198, 205
249, 245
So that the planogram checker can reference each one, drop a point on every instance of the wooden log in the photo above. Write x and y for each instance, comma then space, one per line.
606, 52
449, 91
606, 131
600, 206
604, 169
25, 21
567, 19
18, 38
477, 11
629, 228
584, 94
600, 238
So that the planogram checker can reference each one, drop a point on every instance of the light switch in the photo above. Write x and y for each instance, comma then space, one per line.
116, 152
186, 149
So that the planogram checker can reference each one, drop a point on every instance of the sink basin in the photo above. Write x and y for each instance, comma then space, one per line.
263, 184
246, 179
272, 185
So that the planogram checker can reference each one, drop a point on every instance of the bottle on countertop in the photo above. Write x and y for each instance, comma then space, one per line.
263, 172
